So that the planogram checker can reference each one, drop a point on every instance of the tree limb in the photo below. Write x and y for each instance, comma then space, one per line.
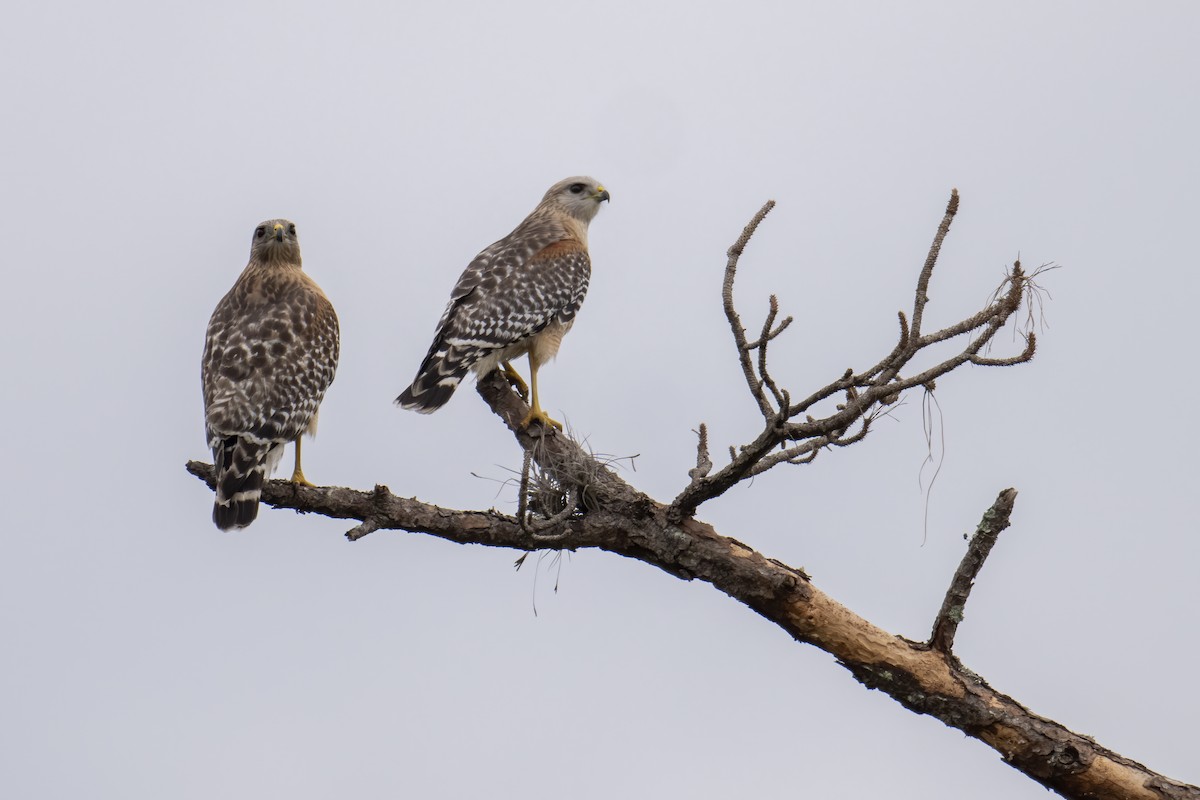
600, 510
864, 392
628, 523
703, 460
935, 250
735, 321
995, 520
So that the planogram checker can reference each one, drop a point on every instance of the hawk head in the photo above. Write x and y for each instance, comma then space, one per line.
275, 240
579, 196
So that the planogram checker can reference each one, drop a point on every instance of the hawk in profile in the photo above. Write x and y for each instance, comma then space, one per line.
269, 355
518, 297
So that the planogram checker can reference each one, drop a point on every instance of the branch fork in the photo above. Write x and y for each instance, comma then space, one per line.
785, 441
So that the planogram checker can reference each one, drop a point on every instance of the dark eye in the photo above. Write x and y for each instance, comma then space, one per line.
259, 231
576, 188
292, 230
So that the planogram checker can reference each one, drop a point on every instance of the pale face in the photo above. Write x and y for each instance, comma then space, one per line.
579, 196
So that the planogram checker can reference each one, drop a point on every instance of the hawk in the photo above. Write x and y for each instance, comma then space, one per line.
518, 297
269, 355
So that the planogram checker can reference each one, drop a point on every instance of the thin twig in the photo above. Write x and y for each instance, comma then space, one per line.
704, 463
995, 519
930, 261
1025, 355
367, 526
803, 453
764, 374
735, 322
783, 326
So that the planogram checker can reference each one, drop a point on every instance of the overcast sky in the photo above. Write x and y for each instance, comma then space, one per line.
148, 655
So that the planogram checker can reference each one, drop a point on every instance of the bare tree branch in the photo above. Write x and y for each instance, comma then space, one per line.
786, 441
628, 523
935, 250
735, 321
995, 520
703, 461
1025, 355
768, 334
589, 506
379, 509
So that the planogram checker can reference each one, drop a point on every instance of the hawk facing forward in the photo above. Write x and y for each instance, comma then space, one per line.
518, 297
269, 355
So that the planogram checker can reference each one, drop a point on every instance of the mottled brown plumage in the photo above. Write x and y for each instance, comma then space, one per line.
517, 297
270, 353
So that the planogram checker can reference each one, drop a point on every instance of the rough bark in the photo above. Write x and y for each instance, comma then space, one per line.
995, 520
628, 523
570, 501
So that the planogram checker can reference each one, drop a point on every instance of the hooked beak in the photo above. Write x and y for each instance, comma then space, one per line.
278, 232
602, 194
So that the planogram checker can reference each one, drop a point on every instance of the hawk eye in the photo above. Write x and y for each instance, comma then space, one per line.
259, 231
292, 230
576, 188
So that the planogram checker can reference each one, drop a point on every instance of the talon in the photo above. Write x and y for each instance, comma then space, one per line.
298, 478
537, 415
515, 380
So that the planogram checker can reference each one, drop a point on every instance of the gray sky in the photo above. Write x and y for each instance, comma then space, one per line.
147, 655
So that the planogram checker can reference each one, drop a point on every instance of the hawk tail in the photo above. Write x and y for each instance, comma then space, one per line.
241, 468
436, 381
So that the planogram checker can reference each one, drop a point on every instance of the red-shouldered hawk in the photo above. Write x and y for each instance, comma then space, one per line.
518, 297
269, 355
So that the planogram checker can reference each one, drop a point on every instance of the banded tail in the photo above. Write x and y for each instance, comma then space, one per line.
241, 467
437, 379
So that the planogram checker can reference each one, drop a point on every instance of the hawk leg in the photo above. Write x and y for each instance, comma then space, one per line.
297, 473
535, 412
515, 380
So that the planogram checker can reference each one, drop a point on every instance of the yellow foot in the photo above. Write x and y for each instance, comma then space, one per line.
515, 380
298, 477
537, 415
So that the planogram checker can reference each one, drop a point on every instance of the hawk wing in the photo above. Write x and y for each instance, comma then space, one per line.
508, 293
270, 354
